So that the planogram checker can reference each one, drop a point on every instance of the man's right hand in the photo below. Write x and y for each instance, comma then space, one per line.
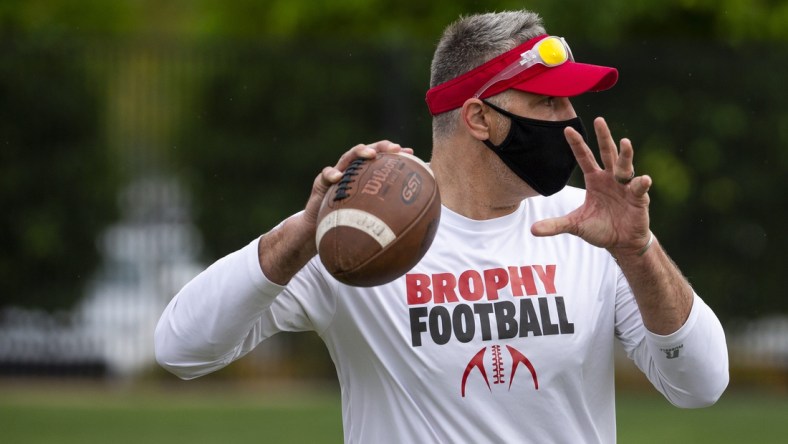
284, 251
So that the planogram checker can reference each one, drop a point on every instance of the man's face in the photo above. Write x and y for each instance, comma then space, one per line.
535, 148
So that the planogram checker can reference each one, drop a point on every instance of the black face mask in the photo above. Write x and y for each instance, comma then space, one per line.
537, 151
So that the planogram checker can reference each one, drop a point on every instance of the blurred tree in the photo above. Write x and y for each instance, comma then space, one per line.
56, 185
271, 117
397, 20
710, 126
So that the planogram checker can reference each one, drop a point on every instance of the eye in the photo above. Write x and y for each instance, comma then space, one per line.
549, 101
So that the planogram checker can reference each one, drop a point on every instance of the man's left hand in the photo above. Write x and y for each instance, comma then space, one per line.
615, 212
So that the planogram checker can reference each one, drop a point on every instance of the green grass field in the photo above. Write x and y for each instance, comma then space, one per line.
57, 413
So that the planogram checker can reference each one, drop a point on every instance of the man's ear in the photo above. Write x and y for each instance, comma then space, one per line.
476, 119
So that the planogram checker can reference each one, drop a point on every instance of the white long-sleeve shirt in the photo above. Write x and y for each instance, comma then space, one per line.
495, 336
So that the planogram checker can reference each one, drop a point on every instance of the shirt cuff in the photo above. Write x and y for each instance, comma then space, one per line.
255, 272
665, 342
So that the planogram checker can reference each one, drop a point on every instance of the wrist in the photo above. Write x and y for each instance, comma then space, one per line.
284, 250
300, 233
646, 247
638, 250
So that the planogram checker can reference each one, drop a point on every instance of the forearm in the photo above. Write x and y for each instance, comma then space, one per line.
285, 250
690, 366
682, 349
663, 294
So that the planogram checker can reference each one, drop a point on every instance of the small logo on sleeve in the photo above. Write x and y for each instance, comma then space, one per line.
672, 353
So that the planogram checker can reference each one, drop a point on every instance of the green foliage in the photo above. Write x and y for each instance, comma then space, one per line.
272, 118
55, 184
397, 20
708, 124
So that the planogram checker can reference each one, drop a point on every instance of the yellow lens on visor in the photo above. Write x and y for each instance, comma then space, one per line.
552, 51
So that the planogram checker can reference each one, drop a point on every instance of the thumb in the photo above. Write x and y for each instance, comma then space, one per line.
551, 227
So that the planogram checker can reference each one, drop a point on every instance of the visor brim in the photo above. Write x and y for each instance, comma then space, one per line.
569, 80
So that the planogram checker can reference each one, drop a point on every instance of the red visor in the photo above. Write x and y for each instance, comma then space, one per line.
566, 80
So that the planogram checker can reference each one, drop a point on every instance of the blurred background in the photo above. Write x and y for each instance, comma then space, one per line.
142, 140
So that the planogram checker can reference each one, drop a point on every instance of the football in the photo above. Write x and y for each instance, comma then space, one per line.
379, 220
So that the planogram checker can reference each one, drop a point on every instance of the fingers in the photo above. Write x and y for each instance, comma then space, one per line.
368, 152
641, 185
607, 146
583, 154
551, 227
320, 186
333, 174
618, 160
360, 150
624, 167
385, 146
363, 151
327, 177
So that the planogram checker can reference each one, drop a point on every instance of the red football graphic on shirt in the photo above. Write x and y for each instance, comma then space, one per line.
498, 373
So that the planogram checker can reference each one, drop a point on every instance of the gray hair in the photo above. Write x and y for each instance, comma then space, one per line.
471, 41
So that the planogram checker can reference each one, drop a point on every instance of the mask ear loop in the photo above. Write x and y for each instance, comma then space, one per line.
508, 137
498, 109
548, 123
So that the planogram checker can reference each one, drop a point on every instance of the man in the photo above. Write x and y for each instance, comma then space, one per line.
504, 332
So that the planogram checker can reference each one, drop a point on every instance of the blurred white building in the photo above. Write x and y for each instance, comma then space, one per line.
148, 255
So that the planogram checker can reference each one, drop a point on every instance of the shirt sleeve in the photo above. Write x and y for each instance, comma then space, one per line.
690, 366
228, 309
